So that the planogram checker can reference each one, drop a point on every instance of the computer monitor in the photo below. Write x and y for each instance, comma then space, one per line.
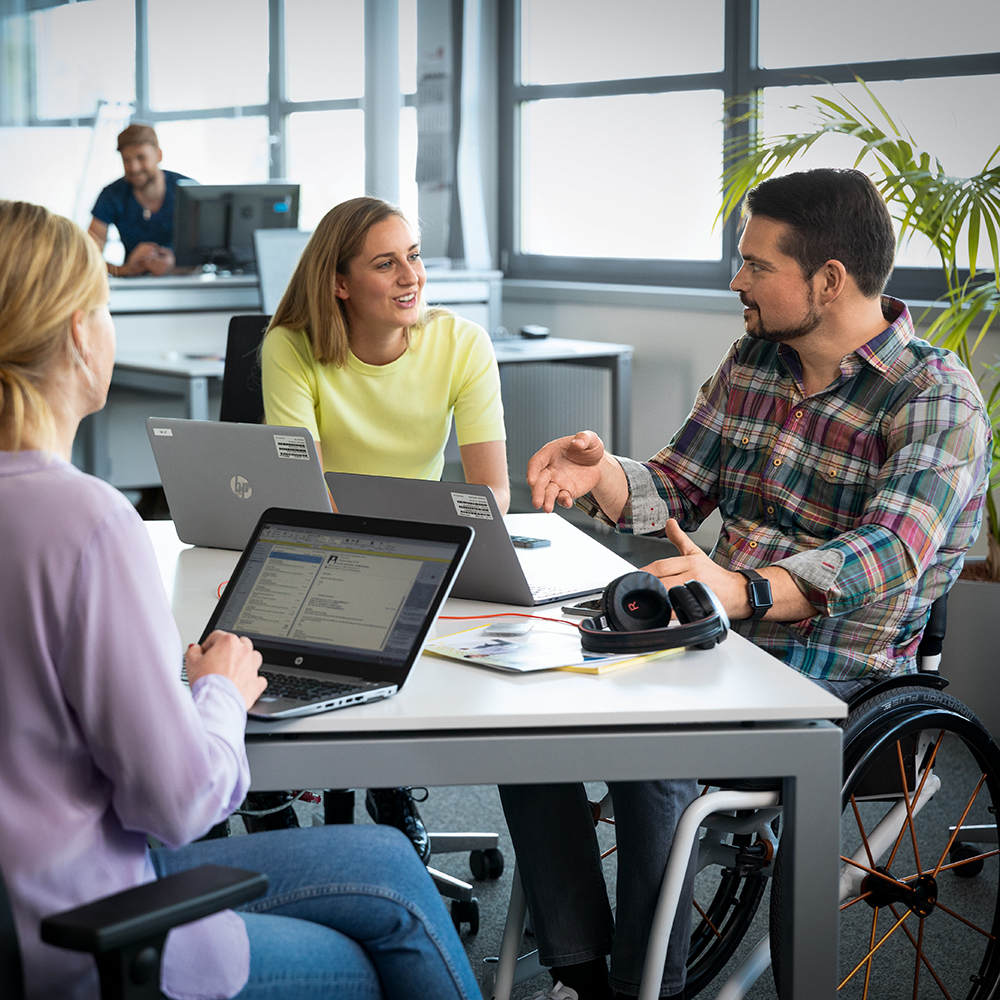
214, 223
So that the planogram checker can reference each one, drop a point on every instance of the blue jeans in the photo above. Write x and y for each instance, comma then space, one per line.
350, 912
560, 867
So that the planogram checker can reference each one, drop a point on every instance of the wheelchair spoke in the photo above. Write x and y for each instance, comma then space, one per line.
922, 955
969, 861
705, 917
909, 807
927, 771
968, 923
857, 899
898, 882
888, 934
861, 830
871, 952
919, 956
958, 825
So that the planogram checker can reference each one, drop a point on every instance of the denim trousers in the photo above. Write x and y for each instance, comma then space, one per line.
559, 862
350, 912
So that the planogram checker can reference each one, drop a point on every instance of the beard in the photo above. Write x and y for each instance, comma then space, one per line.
781, 335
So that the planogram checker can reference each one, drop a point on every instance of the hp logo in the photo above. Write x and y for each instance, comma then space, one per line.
241, 487
298, 661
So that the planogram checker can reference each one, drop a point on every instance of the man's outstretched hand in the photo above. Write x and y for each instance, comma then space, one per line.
565, 469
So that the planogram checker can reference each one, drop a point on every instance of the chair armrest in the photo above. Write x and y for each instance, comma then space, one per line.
151, 909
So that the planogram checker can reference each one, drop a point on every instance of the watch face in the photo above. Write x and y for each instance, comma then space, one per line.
760, 594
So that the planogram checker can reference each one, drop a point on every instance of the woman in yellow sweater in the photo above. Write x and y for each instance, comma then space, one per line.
353, 355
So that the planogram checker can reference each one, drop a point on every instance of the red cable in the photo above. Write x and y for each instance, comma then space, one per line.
510, 614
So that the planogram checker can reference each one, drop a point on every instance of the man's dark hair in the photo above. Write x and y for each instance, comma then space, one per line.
831, 215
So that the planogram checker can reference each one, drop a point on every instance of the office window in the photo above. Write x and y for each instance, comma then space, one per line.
562, 41
207, 55
943, 115
407, 46
326, 155
408, 164
790, 37
592, 189
217, 150
73, 71
325, 49
602, 176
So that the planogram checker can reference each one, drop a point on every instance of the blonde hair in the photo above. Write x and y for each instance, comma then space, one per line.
49, 268
309, 303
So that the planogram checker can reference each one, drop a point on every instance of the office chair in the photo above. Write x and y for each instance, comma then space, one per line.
125, 932
242, 397
892, 735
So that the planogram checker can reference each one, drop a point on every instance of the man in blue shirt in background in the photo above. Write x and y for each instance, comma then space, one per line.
140, 205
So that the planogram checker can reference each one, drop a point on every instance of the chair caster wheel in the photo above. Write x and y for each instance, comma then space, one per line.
486, 863
961, 852
465, 913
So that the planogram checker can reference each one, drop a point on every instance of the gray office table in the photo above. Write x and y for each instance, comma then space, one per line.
732, 711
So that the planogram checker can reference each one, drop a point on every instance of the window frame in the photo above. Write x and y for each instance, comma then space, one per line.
278, 106
740, 75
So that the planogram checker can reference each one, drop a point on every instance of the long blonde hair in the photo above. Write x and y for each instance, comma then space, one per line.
49, 268
309, 302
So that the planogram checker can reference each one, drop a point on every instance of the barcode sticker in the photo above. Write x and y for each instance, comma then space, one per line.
291, 446
471, 505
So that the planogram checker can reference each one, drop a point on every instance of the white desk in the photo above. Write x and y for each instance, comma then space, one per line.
732, 711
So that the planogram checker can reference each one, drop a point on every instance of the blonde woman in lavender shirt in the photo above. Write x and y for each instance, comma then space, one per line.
103, 745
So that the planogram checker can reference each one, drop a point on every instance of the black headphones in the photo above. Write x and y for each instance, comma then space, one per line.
635, 613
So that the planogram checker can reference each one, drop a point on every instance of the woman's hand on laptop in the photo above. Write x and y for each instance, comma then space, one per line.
232, 656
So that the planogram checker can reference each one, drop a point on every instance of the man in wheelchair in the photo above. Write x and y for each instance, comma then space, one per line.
849, 461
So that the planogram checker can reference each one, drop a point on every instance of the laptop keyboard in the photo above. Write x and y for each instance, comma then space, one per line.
305, 688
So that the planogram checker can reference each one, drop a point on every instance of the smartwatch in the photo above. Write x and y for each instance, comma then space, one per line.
759, 593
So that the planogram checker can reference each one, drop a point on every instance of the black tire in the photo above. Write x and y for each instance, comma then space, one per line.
486, 863
915, 723
721, 923
465, 913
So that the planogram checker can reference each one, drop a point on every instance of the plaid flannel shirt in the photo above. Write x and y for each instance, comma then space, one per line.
868, 492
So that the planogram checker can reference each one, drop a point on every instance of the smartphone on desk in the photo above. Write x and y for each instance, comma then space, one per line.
524, 542
585, 609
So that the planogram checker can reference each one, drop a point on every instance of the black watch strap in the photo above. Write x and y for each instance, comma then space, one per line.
759, 592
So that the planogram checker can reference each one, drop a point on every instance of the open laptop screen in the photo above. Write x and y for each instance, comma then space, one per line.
317, 596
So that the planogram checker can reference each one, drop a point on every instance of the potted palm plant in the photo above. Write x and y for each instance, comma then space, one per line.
950, 211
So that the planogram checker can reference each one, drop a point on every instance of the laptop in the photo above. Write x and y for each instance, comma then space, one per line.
492, 572
218, 477
339, 606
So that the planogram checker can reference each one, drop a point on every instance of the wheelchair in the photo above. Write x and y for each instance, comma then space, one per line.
919, 877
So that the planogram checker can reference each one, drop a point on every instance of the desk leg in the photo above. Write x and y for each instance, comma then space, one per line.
810, 846
621, 405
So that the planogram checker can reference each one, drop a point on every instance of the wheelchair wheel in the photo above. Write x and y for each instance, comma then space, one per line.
917, 765
723, 912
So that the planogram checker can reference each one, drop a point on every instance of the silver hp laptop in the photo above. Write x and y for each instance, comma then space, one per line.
218, 477
493, 571
338, 606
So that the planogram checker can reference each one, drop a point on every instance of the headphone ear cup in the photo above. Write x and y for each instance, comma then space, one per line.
636, 602
687, 606
693, 604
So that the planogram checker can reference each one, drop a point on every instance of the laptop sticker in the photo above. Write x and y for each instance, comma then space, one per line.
291, 446
472, 505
